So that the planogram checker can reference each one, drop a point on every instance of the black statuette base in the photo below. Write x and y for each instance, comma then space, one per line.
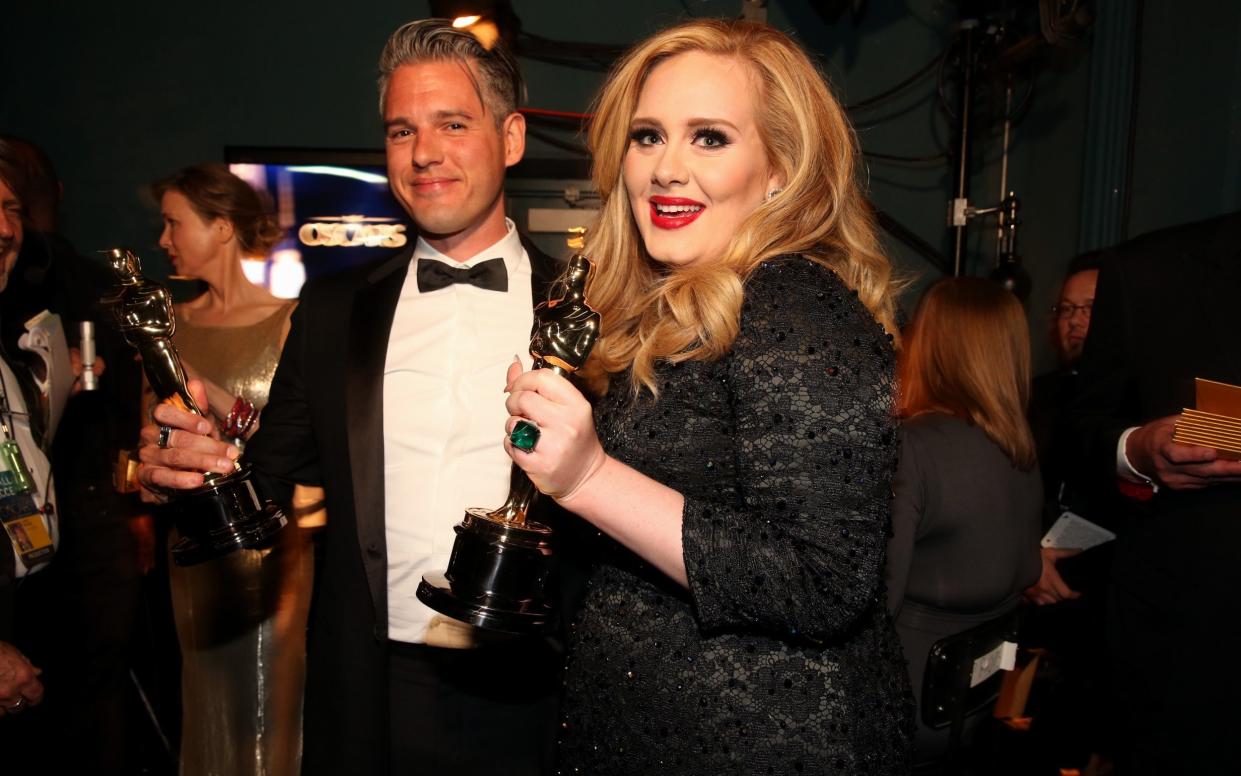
222, 516
496, 576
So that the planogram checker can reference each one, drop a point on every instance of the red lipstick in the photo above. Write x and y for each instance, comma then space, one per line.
674, 212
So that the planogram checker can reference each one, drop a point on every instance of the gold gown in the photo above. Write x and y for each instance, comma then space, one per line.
241, 619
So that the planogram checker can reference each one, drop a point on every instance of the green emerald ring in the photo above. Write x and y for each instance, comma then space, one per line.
524, 436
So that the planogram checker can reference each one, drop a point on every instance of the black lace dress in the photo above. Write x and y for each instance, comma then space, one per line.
780, 657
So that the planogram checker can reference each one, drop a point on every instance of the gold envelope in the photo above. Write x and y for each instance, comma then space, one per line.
1186, 425
1184, 433
1215, 439
1216, 422
1218, 398
1223, 452
1210, 419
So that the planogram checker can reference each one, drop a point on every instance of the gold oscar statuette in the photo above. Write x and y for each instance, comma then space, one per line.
501, 560
225, 513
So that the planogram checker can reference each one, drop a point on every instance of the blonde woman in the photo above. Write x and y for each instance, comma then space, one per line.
738, 460
240, 619
968, 501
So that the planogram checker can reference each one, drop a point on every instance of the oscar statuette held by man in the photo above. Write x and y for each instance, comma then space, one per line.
501, 561
226, 513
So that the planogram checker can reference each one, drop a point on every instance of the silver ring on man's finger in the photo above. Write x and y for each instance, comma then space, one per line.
165, 432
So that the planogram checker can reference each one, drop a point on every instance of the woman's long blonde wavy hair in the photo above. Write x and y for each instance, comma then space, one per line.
651, 312
967, 353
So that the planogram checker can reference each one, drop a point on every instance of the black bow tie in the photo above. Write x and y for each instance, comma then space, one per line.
490, 275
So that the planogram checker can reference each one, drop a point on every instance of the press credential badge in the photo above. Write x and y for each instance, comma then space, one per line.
23, 521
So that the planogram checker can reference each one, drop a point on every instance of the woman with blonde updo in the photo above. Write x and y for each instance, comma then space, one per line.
738, 458
241, 618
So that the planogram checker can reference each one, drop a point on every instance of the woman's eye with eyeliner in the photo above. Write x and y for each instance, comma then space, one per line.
644, 136
710, 138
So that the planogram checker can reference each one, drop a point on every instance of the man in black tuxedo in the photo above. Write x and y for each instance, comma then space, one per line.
389, 395
1071, 722
1165, 313
1049, 399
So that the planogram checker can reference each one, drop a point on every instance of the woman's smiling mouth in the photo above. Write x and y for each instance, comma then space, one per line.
674, 212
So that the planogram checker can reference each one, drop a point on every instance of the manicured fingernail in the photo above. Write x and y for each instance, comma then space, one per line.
233, 453
225, 464
204, 427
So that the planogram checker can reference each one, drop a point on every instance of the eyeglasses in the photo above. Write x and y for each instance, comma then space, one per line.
1068, 309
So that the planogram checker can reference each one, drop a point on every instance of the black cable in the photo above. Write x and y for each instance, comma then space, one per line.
910, 159
913, 240
601, 67
556, 122
556, 142
899, 87
948, 108
589, 56
1018, 111
944, 103
577, 47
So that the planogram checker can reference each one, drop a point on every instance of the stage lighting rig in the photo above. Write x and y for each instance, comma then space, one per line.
997, 47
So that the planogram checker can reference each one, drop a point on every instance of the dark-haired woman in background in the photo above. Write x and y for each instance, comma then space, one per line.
240, 619
966, 515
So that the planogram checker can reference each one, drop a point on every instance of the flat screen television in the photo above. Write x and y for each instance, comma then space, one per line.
334, 206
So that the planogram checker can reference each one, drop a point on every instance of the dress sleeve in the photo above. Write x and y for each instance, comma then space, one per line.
800, 554
283, 451
908, 507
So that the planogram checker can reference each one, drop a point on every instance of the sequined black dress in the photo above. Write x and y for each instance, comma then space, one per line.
780, 658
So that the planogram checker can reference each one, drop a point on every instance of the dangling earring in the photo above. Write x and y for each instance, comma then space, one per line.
771, 194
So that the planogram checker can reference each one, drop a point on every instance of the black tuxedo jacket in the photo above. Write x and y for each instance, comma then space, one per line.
323, 425
1165, 312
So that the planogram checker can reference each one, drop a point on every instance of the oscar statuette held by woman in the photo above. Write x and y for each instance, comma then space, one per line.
501, 561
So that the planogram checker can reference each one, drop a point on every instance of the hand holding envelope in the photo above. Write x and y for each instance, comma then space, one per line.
1194, 449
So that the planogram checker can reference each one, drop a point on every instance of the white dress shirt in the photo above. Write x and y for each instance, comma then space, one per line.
444, 419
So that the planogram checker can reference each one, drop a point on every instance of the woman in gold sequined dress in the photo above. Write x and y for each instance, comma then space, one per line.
241, 618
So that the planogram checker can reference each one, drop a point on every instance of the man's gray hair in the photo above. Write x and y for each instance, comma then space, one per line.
498, 81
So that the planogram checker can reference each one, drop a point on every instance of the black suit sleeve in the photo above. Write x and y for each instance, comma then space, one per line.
1106, 401
283, 451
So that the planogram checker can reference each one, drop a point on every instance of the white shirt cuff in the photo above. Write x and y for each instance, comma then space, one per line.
1124, 467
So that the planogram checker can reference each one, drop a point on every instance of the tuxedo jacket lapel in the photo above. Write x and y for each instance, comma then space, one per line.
544, 271
370, 325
